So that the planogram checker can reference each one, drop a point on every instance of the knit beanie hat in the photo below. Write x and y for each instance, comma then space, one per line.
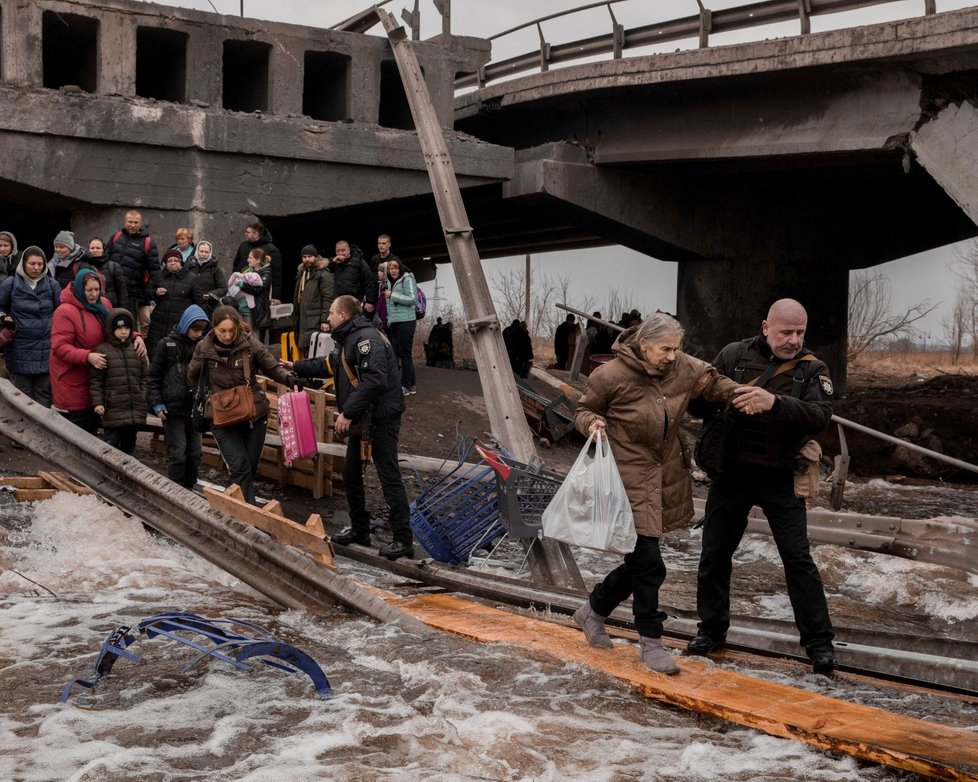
122, 318
65, 239
310, 249
173, 253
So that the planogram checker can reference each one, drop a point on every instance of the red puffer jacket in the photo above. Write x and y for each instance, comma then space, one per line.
75, 332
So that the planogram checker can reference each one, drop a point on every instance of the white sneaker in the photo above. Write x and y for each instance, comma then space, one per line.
405, 391
413, 390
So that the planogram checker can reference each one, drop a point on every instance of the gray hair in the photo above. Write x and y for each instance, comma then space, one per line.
659, 325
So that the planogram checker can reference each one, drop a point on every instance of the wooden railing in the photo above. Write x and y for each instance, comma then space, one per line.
700, 26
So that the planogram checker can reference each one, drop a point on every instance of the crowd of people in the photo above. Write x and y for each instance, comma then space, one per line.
104, 335
72, 331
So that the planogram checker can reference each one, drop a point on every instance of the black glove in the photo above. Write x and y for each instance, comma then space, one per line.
7, 322
294, 381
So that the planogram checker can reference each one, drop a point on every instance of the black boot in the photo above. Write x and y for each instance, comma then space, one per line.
703, 644
823, 660
350, 535
396, 550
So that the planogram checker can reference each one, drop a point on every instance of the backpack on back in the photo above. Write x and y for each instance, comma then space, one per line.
421, 305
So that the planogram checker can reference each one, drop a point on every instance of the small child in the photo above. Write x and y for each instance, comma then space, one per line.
170, 397
119, 390
255, 287
245, 302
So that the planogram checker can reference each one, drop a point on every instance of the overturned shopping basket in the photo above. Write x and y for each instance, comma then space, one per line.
456, 513
524, 493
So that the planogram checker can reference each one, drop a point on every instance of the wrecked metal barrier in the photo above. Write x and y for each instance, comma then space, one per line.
230, 647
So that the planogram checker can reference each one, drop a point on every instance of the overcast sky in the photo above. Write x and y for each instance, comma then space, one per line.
926, 276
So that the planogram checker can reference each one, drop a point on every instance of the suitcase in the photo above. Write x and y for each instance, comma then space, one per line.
320, 344
295, 427
289, 350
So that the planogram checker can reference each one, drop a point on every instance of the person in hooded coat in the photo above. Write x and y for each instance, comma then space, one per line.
8, 254
119, 390
77, 331
30, 296
211, 282
170, 396
637, 400
221, 354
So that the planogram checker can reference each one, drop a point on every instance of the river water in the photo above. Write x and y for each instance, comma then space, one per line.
405, 707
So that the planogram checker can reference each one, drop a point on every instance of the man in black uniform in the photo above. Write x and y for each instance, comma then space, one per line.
352, 276
370, 403
789, 401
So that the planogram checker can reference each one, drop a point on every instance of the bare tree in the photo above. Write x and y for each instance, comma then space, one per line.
966, 271
870, 313
956, 325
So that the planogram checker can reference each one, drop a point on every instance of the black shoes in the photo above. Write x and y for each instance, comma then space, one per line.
703, 644
350, 535
397, 550
823, 660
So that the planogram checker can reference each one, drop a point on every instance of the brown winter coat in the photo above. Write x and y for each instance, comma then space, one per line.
642, 408
224, 373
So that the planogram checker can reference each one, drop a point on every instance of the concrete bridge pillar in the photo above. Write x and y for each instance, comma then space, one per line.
117, 56
947, 147
721, 301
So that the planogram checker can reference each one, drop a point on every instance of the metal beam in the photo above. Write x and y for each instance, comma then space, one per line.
549, 559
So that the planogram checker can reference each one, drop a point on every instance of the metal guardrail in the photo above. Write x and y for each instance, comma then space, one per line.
700, 26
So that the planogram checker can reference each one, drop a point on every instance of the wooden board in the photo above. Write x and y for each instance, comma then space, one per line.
828, 723
43, 486
310, 539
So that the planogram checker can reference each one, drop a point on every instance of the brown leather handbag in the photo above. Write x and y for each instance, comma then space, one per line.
234, 405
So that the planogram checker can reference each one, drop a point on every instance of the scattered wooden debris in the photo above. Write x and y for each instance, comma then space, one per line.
42, 487
310, 540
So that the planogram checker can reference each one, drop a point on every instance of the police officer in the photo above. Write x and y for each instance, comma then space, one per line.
370, 403
790, 400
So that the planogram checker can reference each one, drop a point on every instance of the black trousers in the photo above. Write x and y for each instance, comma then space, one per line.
731, 497
123, 438
86, 419
37, 387
240, 447
384, 457
183, 447
641, 574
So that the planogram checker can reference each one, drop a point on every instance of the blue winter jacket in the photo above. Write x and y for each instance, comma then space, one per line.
32, 310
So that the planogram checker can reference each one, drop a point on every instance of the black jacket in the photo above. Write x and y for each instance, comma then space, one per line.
139, 259
180, 294
354, 278
167, 382
803, 407
373, 364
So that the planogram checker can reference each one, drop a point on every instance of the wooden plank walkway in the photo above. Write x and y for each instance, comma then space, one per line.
828, 723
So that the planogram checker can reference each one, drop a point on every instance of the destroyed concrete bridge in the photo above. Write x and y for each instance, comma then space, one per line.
765, 169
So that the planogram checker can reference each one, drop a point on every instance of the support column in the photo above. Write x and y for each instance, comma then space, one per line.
947, 148
723, 301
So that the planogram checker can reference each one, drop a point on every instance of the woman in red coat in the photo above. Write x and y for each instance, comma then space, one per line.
76, 331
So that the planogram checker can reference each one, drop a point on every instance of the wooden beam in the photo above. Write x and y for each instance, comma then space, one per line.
828, 723
309, 540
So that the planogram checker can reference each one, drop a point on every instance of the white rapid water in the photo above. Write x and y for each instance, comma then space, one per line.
405, 707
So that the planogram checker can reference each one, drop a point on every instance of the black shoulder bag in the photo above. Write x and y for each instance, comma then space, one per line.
198, 411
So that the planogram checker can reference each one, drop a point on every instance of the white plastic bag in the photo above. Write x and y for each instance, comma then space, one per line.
591, 508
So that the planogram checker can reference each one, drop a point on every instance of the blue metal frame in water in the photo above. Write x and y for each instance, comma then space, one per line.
230, 647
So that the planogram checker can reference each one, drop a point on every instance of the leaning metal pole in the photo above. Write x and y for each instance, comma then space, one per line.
551, 560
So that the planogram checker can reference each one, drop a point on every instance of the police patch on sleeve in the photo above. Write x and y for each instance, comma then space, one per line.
364, 347
826, 383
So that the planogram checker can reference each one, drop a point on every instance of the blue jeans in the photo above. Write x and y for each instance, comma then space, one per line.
240, 447
732, 495
641, 575
402, 333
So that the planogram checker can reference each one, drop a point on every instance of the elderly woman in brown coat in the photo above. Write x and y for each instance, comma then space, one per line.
637, 400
